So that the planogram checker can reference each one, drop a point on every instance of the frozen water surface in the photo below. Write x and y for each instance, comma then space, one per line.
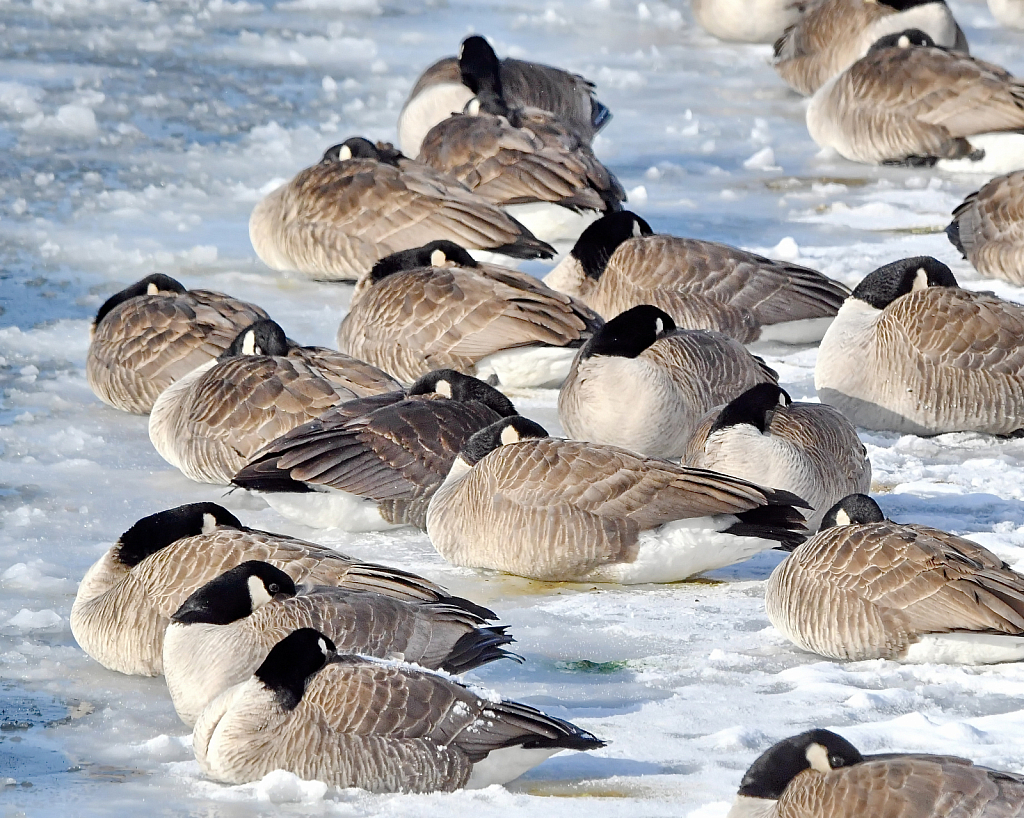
136, 137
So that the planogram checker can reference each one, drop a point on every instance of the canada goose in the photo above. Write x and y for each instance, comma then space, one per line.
225, 630
807, 448
361, 202
619, 263
988, 228
365, 465
436, 307
441, 91
642, 384
522, 159
150, 334
911, 352
762, 21
210, 422
383, 727
1008, 12
891, 591
821, 774
908, 102
126, 599
518, 501
833, 34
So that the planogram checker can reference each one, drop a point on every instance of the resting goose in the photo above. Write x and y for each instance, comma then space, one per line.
522, 159
225, 630
642, 384
809, 449
210, 422
908, 102
903, 592
833, 34
441, 91
150, 334
436, 307
556, 510
126, 599
988, 228
911, 352
367, 465
384, 727
821, 774
762, 21
618, 262
362, 202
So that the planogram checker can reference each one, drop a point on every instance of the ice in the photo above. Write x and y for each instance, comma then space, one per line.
139, 135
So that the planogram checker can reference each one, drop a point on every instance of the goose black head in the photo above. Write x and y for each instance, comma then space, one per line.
500, 433
292, 662
435, 254
820, 750
886, 284
454, 385
157, 531
597, 243
355, 147
263, 337
629, 333
911, 38
235, 594
480, 67
753, 407
150, 285
854, 509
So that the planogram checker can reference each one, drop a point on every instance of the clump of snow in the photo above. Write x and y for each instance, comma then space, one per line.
26, 620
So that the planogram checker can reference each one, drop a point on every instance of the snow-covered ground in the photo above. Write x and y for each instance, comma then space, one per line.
136, 136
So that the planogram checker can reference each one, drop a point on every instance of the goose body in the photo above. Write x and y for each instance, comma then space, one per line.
642, 384
833, 34
909, 102
903, 592
356, 722
441, 91
820, 774
912, 352
362, 202
149, 335
988, 228
809, 449
225, 630
374, 463
761, 21
618, 262
568, 511
209, 423
436, 307
126, 599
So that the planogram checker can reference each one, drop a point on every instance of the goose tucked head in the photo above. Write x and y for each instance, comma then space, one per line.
819, 750
355, 147
498, 434
292, 662
235, 594
629, 333
754, 407
854, 509
156, 284
602, 238
157, 531
911, 38
263, 337
886, 284
448, 383
440, 253
480, 67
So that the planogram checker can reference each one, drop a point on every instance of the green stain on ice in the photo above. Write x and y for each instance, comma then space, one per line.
586, 666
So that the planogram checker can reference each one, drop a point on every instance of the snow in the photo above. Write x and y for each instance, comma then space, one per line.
136, 138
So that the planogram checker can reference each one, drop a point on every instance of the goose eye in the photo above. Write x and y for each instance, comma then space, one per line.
274, 588
836, 761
